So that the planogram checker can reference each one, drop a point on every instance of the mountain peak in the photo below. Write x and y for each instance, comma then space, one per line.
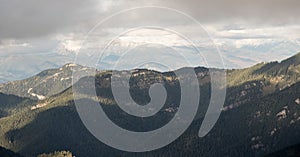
70, 65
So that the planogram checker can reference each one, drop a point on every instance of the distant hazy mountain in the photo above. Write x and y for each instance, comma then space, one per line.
261, 113
18, 66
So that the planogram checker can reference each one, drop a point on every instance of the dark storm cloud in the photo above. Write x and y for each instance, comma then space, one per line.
31, 18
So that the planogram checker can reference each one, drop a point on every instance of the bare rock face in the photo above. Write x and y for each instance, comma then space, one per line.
297, 101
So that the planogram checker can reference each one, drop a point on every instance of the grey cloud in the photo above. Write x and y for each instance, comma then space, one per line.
32, 18
233, 13
232, 27
238, 37
278, 12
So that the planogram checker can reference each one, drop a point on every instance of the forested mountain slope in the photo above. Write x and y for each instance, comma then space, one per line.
261, 114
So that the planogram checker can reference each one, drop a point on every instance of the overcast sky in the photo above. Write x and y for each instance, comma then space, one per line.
246, 32
33, 18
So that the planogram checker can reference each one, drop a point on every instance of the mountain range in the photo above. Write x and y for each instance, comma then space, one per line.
28, 62
261, 114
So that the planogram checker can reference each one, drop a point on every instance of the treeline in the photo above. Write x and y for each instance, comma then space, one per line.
8, 153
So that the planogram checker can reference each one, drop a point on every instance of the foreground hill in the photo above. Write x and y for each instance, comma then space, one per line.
293, 151
7, 153
261, 114
11, 104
